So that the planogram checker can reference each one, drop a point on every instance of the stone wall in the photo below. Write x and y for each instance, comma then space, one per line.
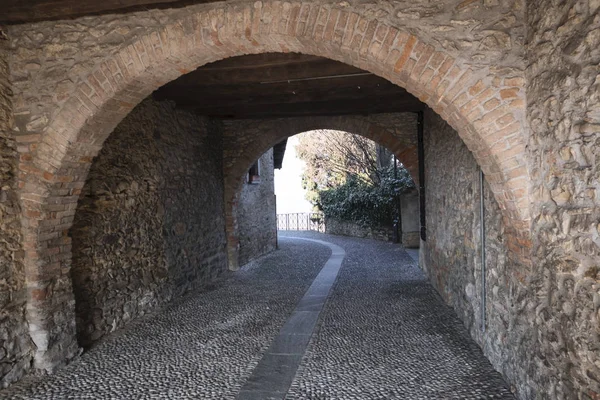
411, 223
149, 224
73, 79
15, 346
563, 104
256, 214
451, 255
346, 228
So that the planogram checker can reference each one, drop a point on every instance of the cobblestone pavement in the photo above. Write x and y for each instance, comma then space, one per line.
203, 347
382, 334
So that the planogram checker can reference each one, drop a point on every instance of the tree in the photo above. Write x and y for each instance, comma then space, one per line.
332, 156
350, 177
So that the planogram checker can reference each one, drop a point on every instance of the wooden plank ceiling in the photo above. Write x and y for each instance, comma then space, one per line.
285, 85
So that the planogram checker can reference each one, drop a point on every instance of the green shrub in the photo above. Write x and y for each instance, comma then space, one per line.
365, 203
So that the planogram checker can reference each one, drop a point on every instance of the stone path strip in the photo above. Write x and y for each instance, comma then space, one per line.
272, 377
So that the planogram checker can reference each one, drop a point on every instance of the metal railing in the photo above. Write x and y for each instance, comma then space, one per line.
301, 222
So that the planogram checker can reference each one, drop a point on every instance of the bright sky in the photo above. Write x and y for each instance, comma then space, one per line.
288, 182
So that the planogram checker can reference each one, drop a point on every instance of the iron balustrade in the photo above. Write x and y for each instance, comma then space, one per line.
314, 221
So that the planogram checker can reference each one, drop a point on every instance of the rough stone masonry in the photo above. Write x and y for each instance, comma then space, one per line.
16, 348
452, 251
256, 214
563, 112
518, 81
154, 190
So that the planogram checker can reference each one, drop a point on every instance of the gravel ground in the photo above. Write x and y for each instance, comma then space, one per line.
203, 347
384, 333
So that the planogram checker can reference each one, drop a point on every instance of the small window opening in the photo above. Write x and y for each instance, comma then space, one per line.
254, 173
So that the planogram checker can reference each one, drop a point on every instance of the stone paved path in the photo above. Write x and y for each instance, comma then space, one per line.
382, 334
385, 334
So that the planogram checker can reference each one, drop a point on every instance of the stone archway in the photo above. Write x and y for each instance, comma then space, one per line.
270, 132
485, 108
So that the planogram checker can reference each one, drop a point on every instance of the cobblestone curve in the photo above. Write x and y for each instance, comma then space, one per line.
203, 347
384, 333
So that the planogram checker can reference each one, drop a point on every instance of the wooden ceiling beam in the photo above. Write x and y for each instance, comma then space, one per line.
276, 85
284, 92
363, 106
287, 98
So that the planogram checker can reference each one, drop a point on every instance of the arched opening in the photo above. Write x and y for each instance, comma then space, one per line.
339, 183
52, 178
395, 131
148, 224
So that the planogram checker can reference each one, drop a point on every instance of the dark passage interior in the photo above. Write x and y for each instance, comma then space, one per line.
154, 219
151, 222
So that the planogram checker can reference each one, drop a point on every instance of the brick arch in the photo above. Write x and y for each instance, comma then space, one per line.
274, 131
486, 110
